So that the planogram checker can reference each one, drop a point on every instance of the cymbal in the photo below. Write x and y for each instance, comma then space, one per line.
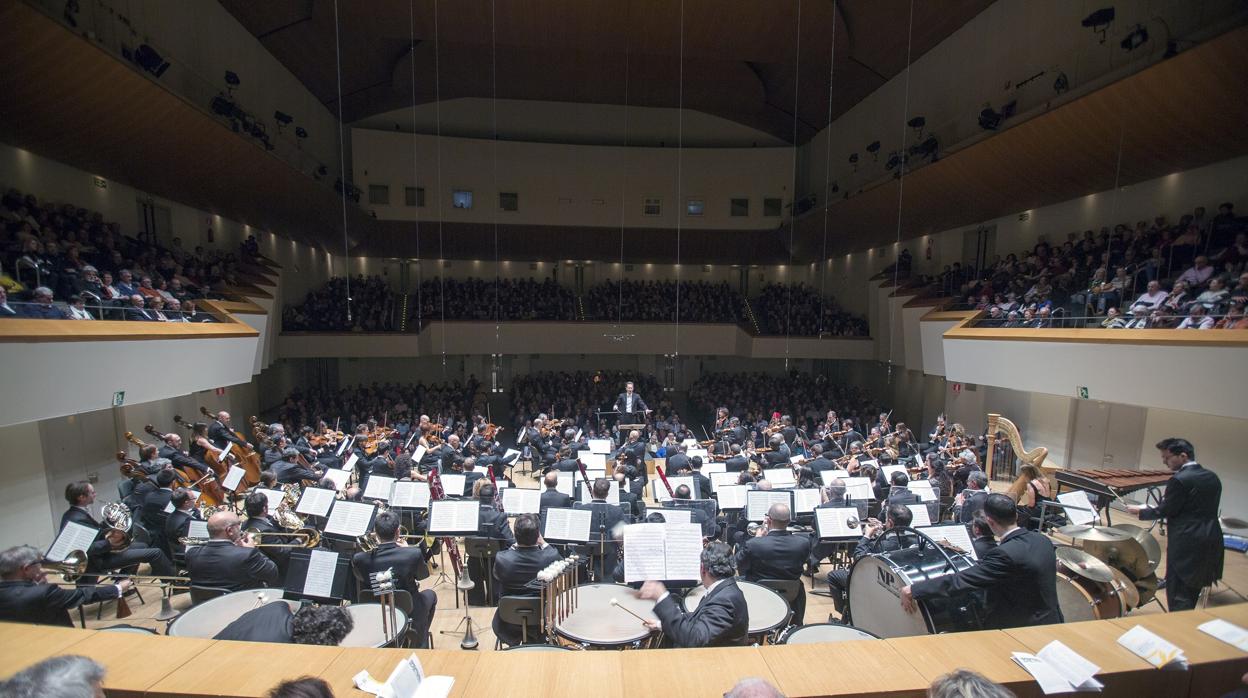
1083, 564
1094, 533
1127, 590
1147, 541
1147, 587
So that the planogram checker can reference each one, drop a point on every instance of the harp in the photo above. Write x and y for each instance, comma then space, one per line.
1000, 425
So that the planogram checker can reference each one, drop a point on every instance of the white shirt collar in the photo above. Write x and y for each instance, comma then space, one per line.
714, 584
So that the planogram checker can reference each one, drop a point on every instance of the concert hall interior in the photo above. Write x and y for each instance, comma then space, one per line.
822, 347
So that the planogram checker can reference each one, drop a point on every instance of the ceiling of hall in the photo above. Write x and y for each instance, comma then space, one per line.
740, 61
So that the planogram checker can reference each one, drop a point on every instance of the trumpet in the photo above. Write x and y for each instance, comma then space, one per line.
303, 538
369, 541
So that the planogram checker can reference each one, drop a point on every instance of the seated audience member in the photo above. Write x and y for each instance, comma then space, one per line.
78, 309
1215, 295
964, 683
303, 687
1198, 273
1234, 320
1113, 321
1150, 300
138, 311
6, 310
41, 306
1197, 319
65, 676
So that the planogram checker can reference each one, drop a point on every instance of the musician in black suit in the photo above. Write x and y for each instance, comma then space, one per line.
409, 565
275, 622
710, 529
515, 567
704, 482
493, 523
635, 503
776, 553
109, 551
288, 469
849, 436
26, 597
178, 523
631, 407
872, 541
899, 491
819, 462
1019, 576
567, 462
981, 535
228, 560
971, 500
632, 452
1190, 507
551, 496
220, 433
604, 518
677, 460
256, 506
736, 462
722, 619
154, 505
172, 450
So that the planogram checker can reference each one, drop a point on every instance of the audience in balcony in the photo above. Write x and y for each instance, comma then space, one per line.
798, 309
493, 299
655, 301
372, 307
1197, 318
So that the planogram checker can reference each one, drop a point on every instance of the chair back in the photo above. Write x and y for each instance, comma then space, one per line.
200, 594
477, 546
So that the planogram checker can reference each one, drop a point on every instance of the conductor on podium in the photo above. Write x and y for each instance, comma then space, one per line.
631, 407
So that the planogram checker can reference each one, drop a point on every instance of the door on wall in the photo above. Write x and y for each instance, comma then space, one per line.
1107, 435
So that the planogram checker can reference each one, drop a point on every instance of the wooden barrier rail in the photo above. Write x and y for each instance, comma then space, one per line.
155, 666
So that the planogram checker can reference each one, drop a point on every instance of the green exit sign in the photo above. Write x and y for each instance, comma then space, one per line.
119, 398
1082, 392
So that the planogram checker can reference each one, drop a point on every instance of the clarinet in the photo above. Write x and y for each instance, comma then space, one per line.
437, 493
663, 476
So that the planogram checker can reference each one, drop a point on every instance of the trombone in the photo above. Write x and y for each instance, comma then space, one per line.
303, 538
368, 541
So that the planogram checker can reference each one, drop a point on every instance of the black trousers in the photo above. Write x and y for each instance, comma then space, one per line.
1180, 596
138, 553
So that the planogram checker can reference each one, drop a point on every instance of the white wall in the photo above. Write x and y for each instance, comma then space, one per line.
594, 178
1219, 446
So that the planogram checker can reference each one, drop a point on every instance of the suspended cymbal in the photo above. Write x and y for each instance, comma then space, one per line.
1127, 590
1147, 541
1083, 564
1147, 588
1094, 533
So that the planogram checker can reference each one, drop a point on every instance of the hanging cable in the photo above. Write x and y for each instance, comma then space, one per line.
680, 141
797, 69
901, 181
619, 310
827, 176
411, 29
437, 110
494, 155
342, 165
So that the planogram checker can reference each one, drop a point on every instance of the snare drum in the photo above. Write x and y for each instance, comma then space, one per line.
368, 628
768, 610
875, 583
1081, 598
596, 624
210, 617
825, 632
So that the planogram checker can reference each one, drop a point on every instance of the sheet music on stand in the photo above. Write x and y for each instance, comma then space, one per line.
676, 516
834, 523
233, 478
732, 496
340, 478
757, 502
343, 446
315, 501
722, 479
198, 529
378, 487
919, 515
714, 467
660, 492
779, 477
522, 501
567, 525
593, 461
698, 453
349, 466
592, 474
600, 445
453, 484
613, 496
566, 484
510, 455
955, 534
888, 471
275, 497
419, 454
350, 519
454, 517
662, 552
1079, 509
407, 494
74, 536
320, 579
827, 476
924, 489
806, 499
859, 488
317, 574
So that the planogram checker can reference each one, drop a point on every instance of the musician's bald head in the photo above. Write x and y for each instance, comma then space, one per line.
223, 416
764, 484
551, 480
779, 515
634, 434
222, 525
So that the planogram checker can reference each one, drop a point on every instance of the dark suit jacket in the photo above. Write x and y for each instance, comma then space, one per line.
154, 511
983, 545
408, 564
677, 462
133, 313
178, 525
181, 460
269, 623
1190, 507
516, 567
556, 499
635, 503
47, 604
775, 459
493, 524
972, 502
98, 548
777, 555
621, 402
222, 564
821, 464
219, 435
722, 619
1019, 575
737, 464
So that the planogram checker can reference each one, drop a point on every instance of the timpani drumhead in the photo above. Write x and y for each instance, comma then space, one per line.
768, 610
537, 648
210, 617
368, 628
825, 632
875, 599
596, 622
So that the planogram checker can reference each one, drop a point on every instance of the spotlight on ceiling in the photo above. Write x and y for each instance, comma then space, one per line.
1061, 84
148, 59
874, 148
1099, 21
917, 123
990, 120
231, 78
1135, 39
926, 148
283, 118
301, 132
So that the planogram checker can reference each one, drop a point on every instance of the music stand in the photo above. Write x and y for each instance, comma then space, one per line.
297, 574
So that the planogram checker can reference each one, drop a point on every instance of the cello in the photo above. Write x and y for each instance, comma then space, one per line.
210, 490
248, 458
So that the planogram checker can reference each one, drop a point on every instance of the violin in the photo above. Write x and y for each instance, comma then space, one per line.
490, 431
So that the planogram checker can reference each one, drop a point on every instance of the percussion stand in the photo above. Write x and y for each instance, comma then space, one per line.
443, 577
465, 584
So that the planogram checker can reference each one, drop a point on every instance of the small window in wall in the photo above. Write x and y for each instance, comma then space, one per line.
508, 201
772, 207
695, 207
739, 207
461, 198
414, 196
379, 194
653, 207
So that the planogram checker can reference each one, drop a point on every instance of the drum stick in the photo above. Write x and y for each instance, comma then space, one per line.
617, 605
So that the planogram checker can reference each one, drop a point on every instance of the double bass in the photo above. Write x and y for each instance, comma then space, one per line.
210, 490
247, 457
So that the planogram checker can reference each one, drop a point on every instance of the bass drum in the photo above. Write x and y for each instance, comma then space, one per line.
875, 583
1083, 599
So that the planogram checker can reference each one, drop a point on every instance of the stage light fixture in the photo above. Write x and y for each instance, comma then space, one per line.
148, 59
1135, 39
231, 78
1099, 21
301, 132
917, 123
874, 148
283, 118
1061, 84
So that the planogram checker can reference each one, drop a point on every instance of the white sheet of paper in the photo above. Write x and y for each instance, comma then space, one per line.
689, 443
349, 518
509, 453
522, 501
918, 461
600, 446
481, 469
342, 447
660, 492
169, 507
676, 516
1073, 667
320, 579
378, 487
350, 464
827, 476
1151, 647
577, 436
683, 551
454, 516
409, 494
275, 497
805, 500
1046, 676
796, 459
594, 473
1227, 632
198, 529
955, 534
714, 467
923, 488
858, 488
233, 478
699, 452
613, 496
453, 484
644, 556
1085, 514
722, 479
779, 477
406, 679
731, 496
593, 461
225, 452
757, 502
418, 454
568, 524
74, 536
833, 523
920, 516
338, 477
869, 461
566, 484
315, 501
888, 471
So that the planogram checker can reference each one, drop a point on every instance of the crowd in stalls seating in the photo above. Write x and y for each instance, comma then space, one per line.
61, 261
798, 309
1185, 275
576, 397
655, 301
373, 308
398, 405
753, 397
494, 299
